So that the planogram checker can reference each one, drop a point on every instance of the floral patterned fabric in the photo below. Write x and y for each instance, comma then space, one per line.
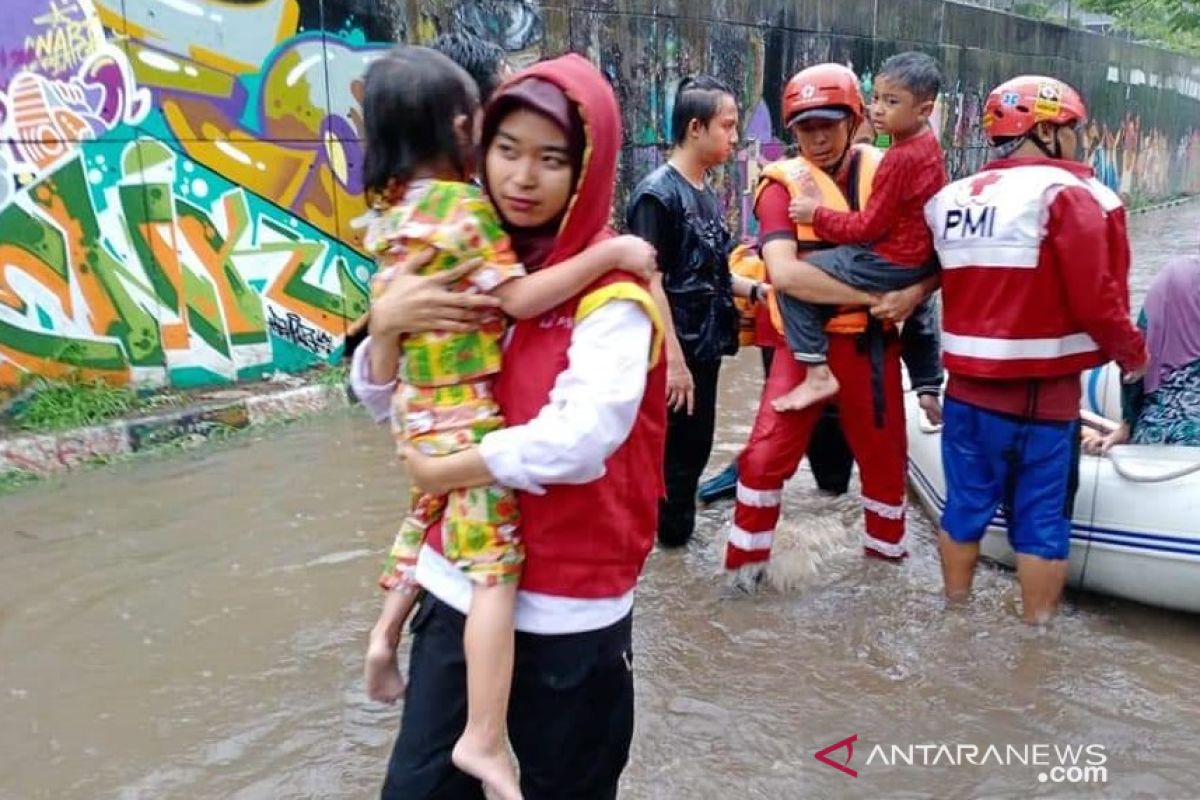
1171, 413
443, 401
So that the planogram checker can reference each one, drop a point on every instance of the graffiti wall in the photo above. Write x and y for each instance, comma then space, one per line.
176, 184
178, 177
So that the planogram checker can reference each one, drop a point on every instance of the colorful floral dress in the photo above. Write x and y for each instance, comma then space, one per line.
443, 401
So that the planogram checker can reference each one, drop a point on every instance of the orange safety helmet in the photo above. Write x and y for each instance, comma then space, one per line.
1016, 106
826, 91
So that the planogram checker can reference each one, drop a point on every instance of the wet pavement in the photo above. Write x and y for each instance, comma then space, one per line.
190, 625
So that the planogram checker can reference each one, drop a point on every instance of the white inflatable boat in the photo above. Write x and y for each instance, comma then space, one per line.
1136, 529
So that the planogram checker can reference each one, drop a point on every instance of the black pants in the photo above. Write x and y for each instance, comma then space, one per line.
829, 454
804, 323
689, 444
570, 717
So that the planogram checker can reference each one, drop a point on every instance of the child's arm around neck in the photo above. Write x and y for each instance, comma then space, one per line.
537, 293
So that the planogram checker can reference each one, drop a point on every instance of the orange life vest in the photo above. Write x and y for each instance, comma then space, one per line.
793, 174
745, 262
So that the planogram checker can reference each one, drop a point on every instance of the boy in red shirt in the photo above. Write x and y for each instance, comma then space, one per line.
900, 249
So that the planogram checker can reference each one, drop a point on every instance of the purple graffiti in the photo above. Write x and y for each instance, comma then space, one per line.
49, 37
46, 117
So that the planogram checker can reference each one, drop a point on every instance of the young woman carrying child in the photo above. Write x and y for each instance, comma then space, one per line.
420, 113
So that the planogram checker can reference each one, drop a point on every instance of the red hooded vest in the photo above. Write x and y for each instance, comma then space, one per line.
587, 541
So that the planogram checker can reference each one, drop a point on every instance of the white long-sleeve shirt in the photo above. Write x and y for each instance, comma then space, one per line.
589, 415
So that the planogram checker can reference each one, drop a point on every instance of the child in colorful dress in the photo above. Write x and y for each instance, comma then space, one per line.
419, 112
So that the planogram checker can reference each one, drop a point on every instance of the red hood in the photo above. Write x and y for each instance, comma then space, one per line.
590, 207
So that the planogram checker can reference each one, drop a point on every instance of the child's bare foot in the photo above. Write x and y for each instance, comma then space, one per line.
382, 671
817, 385
489, 764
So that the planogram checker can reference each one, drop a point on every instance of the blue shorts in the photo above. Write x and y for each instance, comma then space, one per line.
1031, 469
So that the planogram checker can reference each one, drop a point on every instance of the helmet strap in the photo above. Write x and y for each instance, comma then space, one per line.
1055, 151
846, 151
1009, 147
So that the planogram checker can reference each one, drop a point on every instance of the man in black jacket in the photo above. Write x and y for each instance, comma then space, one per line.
675, 210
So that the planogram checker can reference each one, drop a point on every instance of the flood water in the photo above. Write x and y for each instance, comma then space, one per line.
191, 626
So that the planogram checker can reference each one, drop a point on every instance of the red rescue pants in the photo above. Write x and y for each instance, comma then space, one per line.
779, 441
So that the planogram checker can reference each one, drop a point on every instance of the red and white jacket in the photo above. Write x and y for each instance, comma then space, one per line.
1034, 272
587, 540
583, 542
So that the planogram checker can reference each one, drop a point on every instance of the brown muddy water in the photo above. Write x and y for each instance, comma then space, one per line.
190, 626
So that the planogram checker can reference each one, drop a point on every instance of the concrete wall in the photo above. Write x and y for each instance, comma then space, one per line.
178, 177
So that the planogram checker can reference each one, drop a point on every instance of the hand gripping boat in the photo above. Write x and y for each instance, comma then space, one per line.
1136, 529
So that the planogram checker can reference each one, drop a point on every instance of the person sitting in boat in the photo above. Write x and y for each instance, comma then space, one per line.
1034, 291
822, 106
1164, 407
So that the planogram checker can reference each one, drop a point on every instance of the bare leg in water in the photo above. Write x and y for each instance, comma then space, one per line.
1042, 582
482, 750
958, 566
1041, 579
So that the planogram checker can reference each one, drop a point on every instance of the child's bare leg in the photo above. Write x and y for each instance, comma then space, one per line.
818, 384
482, 750
381, 669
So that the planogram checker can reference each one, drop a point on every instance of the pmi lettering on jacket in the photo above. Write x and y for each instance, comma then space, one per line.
973, 219
990, 233
996, 219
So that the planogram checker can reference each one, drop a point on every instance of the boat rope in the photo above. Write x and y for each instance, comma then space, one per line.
1180, 472
1096, 377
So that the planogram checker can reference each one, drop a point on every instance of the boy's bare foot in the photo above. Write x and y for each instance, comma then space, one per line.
382, 671
490, 765
815, 388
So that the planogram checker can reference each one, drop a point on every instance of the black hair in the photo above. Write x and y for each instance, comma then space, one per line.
697, 98
916, 72
480, 58
411, 99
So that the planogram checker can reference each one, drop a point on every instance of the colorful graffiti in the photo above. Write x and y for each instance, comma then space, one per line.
50, 39
646, 62
67, 85
249, 95
132, 263
1143, 164
178, 177
45, 117
170, 206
